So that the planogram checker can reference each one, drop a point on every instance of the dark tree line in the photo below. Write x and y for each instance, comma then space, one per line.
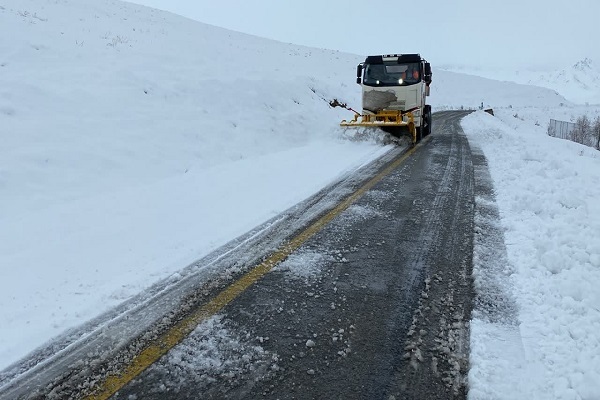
585, 131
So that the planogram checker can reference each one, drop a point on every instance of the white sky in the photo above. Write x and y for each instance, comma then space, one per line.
469, 32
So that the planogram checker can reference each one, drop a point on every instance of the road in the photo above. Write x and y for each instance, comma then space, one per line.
375, 304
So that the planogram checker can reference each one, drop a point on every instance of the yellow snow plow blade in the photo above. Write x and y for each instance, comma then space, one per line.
385, 119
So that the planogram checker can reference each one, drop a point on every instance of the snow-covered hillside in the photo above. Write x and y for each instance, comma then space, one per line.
578, 83
457, 90
135, 141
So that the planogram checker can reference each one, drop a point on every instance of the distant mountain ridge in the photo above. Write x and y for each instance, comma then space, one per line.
584, 64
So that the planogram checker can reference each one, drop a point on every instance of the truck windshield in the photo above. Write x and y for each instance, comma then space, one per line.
392, 74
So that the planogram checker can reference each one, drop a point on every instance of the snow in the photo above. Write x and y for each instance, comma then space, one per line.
211, 351
547, 192
134, 142
305, 265
578, 82
455, 90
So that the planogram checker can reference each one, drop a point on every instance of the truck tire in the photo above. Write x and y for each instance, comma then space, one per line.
420, 133
427, 120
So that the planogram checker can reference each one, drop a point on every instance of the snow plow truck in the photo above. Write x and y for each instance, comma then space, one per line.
394, 88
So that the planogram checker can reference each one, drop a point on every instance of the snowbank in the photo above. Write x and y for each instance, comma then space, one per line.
547, 192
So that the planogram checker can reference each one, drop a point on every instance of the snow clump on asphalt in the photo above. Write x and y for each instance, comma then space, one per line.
212, 351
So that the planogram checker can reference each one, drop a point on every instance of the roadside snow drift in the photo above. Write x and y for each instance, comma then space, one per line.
547, 192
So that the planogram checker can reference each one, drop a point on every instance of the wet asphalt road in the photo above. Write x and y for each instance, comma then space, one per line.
374, 306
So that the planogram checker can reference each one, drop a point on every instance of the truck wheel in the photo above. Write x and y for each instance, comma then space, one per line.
427, 119
420, 133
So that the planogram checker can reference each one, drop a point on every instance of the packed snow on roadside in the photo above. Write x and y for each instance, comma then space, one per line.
547, 192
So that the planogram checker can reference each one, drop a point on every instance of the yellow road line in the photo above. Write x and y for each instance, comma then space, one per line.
182, 329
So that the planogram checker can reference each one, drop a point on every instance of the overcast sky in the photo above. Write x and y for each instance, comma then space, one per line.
468, 32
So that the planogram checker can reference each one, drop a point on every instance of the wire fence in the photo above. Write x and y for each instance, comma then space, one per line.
561, 129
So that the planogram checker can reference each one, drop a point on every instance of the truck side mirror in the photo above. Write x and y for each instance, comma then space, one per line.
427, 76
427, 69
359, 69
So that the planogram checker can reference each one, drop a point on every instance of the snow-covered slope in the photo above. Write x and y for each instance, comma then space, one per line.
135, 141
455, 90
578, 83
